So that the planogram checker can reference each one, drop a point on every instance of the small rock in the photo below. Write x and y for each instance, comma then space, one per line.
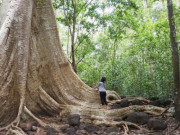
137, 102
82, 126
112, 129
71, 131
138, 117
122, 96
59, 119
74, 120
124, 103
65, 120
64, 128
166, 101
26, 126
103, 128
81, 132
114, 133
155, 103
35, 123
52, 131
116, 106
28, 133
76, 127
91, 128
118, 119
156, 124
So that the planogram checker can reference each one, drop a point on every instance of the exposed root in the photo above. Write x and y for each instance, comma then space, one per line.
112, 96
41, 123
123, 124
15, 131
13, 128
126, 129
134, 98
129, 99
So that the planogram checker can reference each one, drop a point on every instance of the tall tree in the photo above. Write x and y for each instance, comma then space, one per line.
75, 17
175, 59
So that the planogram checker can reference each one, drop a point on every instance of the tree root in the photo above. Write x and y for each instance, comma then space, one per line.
89, 113
15, 131
135, 98
123, 124
13, 128
112, 96
129, 99
41, 123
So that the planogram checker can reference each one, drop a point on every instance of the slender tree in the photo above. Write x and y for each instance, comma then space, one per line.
74, 17
175, 59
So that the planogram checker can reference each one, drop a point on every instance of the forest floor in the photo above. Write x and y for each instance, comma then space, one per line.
61, 127
26, 126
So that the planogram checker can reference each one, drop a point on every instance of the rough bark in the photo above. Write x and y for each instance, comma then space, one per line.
35, 75
175, 59
33, 65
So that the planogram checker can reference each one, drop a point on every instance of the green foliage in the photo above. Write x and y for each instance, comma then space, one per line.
39, 2
128, 42
79, 19
24, 117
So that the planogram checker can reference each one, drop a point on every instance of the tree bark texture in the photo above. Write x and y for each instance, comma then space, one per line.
33, 66
175, 59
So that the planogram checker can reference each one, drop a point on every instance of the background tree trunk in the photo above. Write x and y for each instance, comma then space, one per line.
175, 59
73, 42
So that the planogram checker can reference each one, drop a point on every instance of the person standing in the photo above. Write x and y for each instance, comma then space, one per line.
102, 92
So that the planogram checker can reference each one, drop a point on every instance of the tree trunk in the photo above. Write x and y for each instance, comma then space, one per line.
73, 41
35, 75
175, 59
113, 64
33, 66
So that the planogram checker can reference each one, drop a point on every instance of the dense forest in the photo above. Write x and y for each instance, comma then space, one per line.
89, 67
125, 40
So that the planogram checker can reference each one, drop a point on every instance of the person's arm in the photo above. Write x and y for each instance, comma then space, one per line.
96, 87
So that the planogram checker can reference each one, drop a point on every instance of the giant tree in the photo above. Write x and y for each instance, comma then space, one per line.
175, 59
35, 75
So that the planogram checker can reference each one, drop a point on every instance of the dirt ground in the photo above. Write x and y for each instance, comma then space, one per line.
31, 127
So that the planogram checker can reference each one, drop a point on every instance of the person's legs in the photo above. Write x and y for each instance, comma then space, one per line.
102, 99
105, 101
